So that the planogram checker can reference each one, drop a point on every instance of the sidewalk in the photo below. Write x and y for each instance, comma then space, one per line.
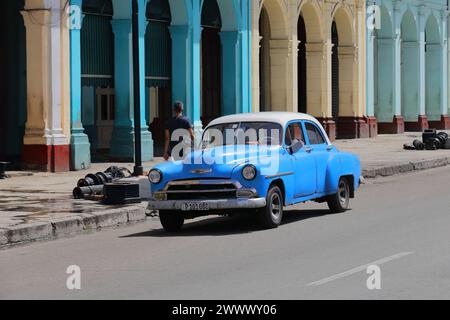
39, 206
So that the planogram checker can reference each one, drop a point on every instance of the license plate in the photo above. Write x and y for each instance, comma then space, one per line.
195, 206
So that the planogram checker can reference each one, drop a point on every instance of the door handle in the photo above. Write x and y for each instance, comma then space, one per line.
308, 149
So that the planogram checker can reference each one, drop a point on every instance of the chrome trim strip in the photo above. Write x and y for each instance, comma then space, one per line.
214, 204
280, 175
200, 182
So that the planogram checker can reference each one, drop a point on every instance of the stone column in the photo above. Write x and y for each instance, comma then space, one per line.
122, 145
318, 64
46, 147
231, 102
279, 75
350, 124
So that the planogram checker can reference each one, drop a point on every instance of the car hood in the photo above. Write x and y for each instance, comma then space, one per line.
218, 162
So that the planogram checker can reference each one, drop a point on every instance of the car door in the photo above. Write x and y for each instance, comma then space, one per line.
319, 150
303, 163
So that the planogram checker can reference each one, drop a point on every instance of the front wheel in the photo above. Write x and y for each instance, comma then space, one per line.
171, 221
339, 201
271, 215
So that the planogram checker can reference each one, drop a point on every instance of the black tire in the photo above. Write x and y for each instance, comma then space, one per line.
339, 201
172, 221
271, 215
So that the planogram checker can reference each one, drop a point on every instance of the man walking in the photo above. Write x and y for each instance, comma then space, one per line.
176, 123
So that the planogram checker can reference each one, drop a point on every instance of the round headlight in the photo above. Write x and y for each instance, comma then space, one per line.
249, 172
155, 176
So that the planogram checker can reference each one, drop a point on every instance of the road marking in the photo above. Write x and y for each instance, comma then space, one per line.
359, 269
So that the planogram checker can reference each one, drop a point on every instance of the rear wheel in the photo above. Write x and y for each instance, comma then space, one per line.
339, 201
271, 215
172, 221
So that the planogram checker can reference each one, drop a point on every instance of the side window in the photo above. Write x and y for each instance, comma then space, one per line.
294, 131
314, 135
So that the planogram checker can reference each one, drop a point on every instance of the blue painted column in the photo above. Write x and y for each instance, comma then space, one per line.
231, 73
122, 145
397, 91
186, 85
80, 148
180, 52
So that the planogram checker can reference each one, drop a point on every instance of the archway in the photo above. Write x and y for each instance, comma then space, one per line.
334, 73
211, 62
97, 75
384, 71
344, 98
301, 60
410, 70
311, 64
13, 90
264, 62
158, 65
433, 70
274, 51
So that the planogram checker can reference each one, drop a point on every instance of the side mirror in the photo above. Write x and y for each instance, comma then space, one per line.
296, 146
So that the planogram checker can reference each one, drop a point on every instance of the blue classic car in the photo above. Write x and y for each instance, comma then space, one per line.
256, 162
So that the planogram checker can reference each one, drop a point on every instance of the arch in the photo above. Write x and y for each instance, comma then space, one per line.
277, 16
229, 14
344, 24
409, 68
384, 69
310, 34
179, 13
211, 62
408, 27
433, 70
158, 68
311, 16
13, 81
302, 65
97, 72
343, 69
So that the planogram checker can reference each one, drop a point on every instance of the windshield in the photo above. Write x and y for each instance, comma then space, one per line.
238, 133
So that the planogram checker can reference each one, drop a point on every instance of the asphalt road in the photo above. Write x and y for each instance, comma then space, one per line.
401, 224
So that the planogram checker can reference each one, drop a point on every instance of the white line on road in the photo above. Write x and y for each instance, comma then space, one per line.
359, 269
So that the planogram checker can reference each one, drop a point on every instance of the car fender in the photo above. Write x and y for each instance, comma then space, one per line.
342, 164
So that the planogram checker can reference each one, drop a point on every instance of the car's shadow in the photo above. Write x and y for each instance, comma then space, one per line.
222, 226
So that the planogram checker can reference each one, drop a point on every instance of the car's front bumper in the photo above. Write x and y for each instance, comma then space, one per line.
213, 204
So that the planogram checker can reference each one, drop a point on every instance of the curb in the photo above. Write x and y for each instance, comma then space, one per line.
406, 167
56, 228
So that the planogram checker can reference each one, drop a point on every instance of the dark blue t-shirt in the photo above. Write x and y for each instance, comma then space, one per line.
174, 124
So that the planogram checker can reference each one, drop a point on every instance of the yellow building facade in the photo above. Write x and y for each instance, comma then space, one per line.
309, 56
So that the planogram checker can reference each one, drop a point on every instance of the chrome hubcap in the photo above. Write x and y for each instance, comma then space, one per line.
343, 193
275, 207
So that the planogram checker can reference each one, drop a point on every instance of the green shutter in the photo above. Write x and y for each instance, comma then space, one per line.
97, 51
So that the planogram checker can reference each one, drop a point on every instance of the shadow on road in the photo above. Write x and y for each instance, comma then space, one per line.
223, 226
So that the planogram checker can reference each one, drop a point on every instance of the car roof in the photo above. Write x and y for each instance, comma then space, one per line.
281, 118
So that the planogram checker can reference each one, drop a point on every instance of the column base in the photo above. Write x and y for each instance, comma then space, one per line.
80, 151
122, 144
443, 124
352, 128
397, 126
330, 127
419, 126
46, 158
372, 122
